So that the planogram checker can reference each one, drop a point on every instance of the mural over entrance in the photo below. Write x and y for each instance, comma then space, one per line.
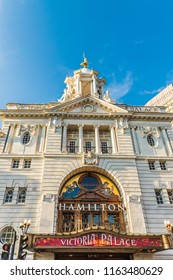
87, 182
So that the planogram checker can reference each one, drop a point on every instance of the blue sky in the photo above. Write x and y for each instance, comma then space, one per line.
41, 41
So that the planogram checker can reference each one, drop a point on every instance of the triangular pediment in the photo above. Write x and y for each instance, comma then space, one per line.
88, 105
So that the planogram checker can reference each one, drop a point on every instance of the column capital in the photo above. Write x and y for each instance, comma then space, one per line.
80, 125
96, 125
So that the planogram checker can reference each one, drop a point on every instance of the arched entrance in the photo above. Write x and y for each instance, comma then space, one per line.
90, 200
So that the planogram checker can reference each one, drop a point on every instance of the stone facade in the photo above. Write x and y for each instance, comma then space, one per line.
43, 145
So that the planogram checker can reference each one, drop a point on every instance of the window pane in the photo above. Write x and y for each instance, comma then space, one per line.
90, 182
21, 195
15, 163
163, 165
26, 138
96, 220
27, 163
8, 195
7, 235
150, 140
170, 195
104, 147
159, 197
151, 165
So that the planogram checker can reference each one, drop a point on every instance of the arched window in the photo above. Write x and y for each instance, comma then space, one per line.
26, 138
7, 234
150, 140
90, 182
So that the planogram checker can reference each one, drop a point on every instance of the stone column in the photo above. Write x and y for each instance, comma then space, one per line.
113, 139
166, 142
42, 138
135, 142
9, 139
94, 86
80, 138
64, 139
97, 139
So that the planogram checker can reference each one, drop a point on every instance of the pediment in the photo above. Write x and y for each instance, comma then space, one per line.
88, 105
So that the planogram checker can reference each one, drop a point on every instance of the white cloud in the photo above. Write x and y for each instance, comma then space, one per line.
139, 42
120, 89
151, 92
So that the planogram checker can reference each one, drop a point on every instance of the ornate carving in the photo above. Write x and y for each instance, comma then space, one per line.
146, 130
90, 158
107, 97
122, 123
144, 109
26, 127
69, 91
2, 134
32, 107
56, 122
106, 189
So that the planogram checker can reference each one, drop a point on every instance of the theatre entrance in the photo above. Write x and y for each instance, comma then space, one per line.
93, 256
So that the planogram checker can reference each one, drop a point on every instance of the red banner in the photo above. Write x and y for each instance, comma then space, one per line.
98, 240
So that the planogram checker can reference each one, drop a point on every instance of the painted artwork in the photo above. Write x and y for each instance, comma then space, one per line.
72, 191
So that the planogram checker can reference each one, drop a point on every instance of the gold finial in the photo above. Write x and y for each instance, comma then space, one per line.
85, 62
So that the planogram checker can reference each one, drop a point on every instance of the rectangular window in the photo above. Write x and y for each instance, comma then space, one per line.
159, 196
163, 165
68, 222
96, 220
170, 195
85, 220
113, 219
104, 147
72, 147
8, 195
15, 163
21, 195
151, 165
87, 146
27, 163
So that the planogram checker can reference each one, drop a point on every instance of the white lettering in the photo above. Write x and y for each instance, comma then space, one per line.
133, 242
103, 238
93, 239
63, 241
111, 207
64, 206
80, 207
103, 206
109, 240
121, 208
71, 207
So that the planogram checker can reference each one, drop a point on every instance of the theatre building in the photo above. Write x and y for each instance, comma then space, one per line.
95, 177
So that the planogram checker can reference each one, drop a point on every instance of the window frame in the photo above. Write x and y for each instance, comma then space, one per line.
21, 198
151, 165
151, 140
163, 165
25, 166
15, 163
7, 232
104, 149
8, 198
159, 198
23, 136
170, 197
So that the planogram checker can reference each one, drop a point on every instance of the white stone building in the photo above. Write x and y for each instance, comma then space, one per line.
94, 177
